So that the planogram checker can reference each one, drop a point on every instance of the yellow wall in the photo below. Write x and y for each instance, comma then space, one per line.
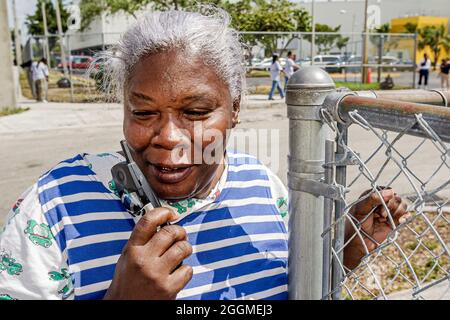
398, 26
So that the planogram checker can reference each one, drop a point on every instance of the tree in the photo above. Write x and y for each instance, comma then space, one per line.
35, 21
389, 43
90, 9
268, 15
342, 42
436, 38
246, 15
410, 27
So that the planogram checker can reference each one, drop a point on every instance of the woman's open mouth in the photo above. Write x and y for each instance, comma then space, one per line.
170, 174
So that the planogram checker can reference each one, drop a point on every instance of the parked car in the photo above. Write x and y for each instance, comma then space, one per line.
331, 63
266, 63
353, 64
77, 62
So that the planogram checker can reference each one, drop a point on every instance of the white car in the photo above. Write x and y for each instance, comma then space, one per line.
266, 63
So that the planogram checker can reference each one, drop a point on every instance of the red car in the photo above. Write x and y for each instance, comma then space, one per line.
79, 62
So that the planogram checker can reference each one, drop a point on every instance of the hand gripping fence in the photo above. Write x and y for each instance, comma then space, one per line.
345, 146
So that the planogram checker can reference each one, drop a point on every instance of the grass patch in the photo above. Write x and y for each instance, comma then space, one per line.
428, 260
84, 89
6, 111
265, 89
258, 74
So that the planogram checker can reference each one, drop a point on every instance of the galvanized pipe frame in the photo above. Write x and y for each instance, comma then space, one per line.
306, 92
433, 97
310, 94
392, 115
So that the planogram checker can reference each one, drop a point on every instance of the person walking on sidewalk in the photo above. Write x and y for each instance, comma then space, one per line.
289, 69
445, 68
275, 70
424, 70
40, 79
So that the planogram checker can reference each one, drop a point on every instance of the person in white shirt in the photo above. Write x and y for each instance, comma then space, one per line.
40, 78
289, 69
275, 70
424, 70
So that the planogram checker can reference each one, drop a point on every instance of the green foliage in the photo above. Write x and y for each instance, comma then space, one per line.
384, 28
267, 15
342, 42
436, 38
410, 27
6, 111
90, 9
35, 21
246, 15
390, 42
326, 42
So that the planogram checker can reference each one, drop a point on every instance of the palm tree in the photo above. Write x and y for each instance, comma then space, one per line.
434, 37
445, 43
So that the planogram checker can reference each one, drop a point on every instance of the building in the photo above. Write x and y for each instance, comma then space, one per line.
405, 47
105, 30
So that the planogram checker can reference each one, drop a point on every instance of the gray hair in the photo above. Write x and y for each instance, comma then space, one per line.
206, 34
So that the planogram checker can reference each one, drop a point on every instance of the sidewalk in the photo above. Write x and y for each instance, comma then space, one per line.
53, 116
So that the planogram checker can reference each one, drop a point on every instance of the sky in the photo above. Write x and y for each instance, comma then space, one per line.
431, 7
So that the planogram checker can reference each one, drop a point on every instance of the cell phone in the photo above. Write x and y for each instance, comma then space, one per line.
131, 184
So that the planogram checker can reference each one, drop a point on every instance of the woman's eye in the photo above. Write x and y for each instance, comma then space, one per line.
197, 113
144, 114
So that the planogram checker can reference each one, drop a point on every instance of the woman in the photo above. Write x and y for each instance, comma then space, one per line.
443, 74
424, 70
70, 235
275, 70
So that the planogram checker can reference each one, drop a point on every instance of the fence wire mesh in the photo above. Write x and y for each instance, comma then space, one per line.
414, 261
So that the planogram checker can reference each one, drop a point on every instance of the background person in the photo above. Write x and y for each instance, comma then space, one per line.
289, 68
443, 74
275, 70
424, 70
28, 67
40, 79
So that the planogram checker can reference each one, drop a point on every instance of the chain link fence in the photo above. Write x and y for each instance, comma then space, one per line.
338, 53
378, 144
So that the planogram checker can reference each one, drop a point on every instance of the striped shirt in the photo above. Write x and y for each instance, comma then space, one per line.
64, 236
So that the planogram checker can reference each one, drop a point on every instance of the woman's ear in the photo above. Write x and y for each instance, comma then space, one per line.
235, 113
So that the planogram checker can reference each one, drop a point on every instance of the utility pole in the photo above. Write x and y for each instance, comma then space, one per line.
8, 93
313, 36
365, 56
44, 19
17, 36
61, 38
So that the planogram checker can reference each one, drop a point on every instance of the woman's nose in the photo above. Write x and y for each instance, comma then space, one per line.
169, 135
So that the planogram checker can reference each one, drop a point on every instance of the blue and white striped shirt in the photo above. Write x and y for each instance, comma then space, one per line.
65, 236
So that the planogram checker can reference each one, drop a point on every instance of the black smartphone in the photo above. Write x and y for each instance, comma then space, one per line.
129, 180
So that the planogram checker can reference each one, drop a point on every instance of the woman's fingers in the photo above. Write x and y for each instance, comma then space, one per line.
166, 238
146, 227
391, 205
180, 277
175, 255
373, 201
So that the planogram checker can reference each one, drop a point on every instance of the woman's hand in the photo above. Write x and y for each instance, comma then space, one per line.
147, 268
375, 225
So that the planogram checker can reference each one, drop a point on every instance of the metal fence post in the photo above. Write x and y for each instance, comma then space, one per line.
306, 91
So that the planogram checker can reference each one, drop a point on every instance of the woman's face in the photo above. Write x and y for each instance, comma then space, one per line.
166, 97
